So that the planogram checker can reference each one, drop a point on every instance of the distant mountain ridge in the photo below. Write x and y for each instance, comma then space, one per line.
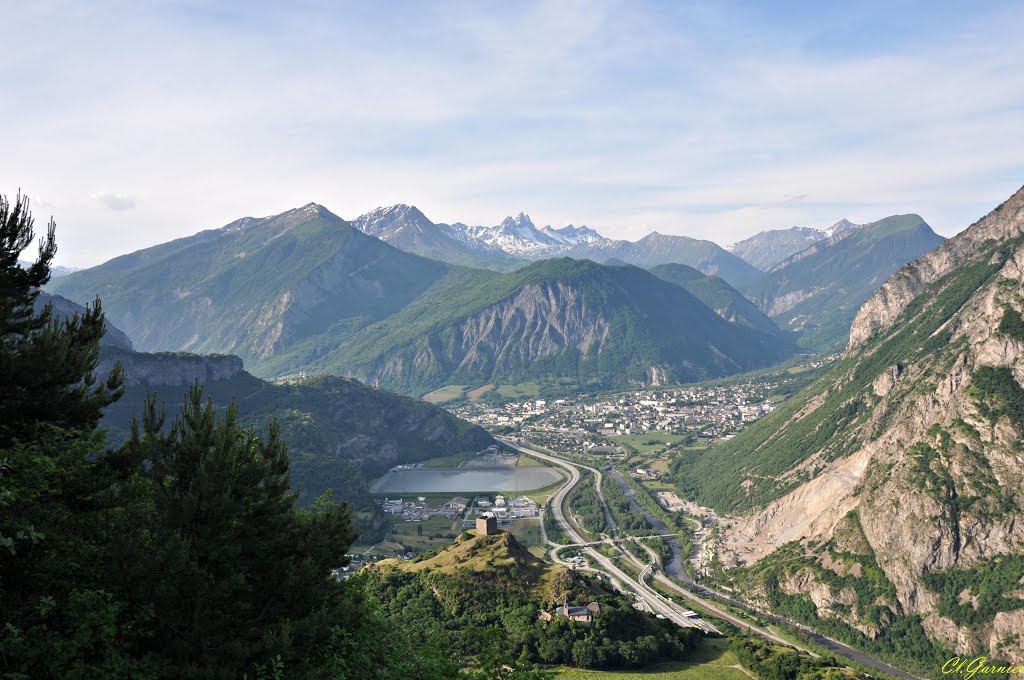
725, 300
305, 292
517, 240
767, 249
56, 271
256, 286
63, 309
817, 291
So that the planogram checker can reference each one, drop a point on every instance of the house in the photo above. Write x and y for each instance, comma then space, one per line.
581, 615
457, 503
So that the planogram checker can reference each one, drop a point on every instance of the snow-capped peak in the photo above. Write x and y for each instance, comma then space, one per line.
842, 225
572, 235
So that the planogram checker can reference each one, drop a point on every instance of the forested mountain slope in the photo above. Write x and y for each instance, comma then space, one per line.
339, 432
254, 287
713, 291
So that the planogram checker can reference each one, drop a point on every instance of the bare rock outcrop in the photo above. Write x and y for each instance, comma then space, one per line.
886, 305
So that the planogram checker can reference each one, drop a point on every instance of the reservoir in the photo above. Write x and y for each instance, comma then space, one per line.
462, 480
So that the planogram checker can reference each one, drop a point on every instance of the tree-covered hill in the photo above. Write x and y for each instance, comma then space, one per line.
482, 596
339, 432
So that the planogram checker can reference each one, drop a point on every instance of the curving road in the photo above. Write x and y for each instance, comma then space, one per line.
658, 603
652, 599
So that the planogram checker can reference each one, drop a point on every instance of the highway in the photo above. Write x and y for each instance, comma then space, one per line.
654, 600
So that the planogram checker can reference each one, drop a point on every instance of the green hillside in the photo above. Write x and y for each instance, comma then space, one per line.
818, 291
718, 295
838, 402
482, 596
563, 317
254, 287
339, 432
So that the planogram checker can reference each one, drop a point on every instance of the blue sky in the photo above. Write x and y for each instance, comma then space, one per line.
134, 123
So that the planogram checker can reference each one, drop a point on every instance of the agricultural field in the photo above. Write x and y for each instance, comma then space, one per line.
478, 392
409, 533
522, 390
527, 532
446, 393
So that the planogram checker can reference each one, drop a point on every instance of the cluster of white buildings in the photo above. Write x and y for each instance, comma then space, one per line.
579, 423
504, 510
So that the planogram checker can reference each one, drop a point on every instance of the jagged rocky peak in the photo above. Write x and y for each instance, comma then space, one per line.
572, 235
383, 219
840, 226
520, 223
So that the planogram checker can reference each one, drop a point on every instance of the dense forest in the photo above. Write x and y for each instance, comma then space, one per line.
180, 553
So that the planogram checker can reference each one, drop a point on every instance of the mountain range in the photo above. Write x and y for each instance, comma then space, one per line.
56, 271
766, 249
516, 240
255, 287
816, 292
883, 502
575, 319
305, 291
801, 277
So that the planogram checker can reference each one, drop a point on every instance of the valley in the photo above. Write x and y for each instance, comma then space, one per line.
539, 340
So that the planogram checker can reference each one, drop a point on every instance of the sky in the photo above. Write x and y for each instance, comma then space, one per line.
133, 123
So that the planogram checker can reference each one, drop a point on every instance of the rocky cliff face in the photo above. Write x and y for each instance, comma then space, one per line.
558, 318
169, 369
885, 306
926, 455
537, 322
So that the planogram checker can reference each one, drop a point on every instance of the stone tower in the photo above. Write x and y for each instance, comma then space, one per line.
486, 525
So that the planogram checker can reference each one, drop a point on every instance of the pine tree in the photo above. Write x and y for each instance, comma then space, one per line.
46, 367
236, 575
55, 485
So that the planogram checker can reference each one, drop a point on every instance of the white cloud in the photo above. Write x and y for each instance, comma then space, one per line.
683, 119
112, 201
